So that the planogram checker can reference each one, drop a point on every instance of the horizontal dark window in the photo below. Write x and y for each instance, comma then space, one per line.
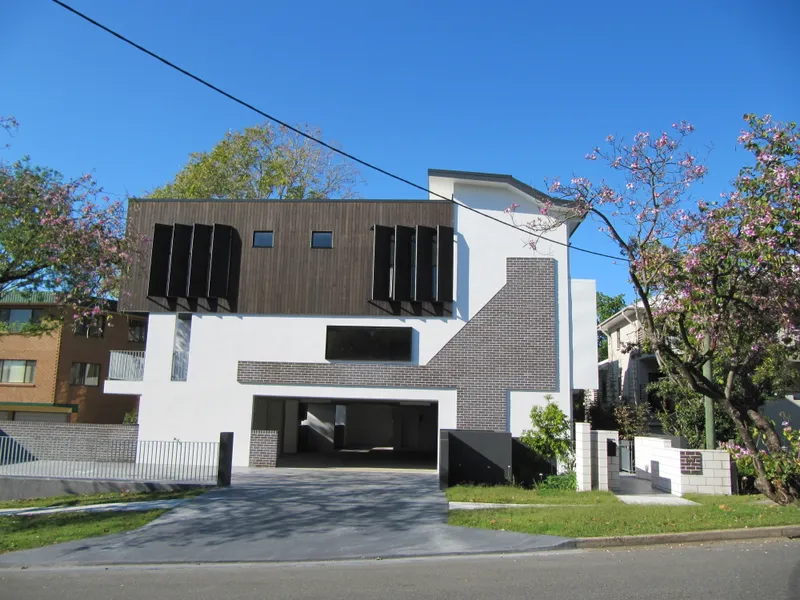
263, 239
390, 344
322, 239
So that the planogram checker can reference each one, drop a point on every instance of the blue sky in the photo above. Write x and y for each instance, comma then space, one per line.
525, 88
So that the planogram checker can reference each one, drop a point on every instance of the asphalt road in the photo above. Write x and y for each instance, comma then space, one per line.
731, 571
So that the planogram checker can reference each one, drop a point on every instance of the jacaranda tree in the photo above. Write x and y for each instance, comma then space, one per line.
715, 281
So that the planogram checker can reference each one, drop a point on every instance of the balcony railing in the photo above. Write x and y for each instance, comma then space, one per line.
126, 365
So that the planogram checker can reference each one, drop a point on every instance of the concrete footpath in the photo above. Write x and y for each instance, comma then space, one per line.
107, 507
296, 515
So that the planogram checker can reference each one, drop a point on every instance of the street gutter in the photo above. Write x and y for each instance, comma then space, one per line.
689, 537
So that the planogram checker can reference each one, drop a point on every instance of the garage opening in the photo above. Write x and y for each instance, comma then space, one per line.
350, 433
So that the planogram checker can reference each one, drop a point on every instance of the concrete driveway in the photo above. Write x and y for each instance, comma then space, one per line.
296, 515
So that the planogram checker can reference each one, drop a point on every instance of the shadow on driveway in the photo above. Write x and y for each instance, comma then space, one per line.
295, 515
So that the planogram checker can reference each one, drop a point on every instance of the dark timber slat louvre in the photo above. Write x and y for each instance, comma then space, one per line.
290, 278
444, 270
198, 263
159, 260
403, 257
423, 290
220, 261
179, 261
381, 261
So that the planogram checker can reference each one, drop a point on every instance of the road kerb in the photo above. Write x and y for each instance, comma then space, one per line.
715, 535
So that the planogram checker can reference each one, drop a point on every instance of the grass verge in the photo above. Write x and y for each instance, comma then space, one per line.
24, 533
713, 512
508, 494
104, 498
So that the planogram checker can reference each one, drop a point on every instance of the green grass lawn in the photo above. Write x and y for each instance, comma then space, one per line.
24, 533
508, 494
599, 520
102, 498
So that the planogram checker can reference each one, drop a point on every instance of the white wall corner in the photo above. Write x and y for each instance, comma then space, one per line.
583, 342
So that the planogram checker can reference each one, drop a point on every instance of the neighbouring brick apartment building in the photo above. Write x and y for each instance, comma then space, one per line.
58, 376
332, 326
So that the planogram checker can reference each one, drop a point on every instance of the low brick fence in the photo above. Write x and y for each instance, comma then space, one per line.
69, 441
264, 448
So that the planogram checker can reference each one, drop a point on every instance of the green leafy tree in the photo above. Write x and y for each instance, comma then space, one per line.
549, 435
607, 307
263, 162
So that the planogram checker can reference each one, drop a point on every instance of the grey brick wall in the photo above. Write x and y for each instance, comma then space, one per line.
263, 448
510, 344
69, 441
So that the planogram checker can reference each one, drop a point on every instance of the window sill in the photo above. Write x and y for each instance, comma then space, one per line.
14, 384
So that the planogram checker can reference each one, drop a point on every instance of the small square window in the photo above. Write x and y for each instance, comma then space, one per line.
263, 239
322, 239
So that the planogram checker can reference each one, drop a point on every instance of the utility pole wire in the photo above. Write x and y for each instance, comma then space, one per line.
317, 140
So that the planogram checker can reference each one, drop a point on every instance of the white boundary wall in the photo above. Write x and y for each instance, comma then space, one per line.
659, 462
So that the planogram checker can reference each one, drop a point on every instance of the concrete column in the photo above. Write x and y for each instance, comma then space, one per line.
583, 456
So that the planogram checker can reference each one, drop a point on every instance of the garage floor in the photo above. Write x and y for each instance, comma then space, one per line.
376, 458
296, 515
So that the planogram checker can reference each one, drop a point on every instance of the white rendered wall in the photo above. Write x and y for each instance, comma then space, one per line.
583, 295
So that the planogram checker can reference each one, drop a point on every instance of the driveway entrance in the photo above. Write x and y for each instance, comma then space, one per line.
296, 515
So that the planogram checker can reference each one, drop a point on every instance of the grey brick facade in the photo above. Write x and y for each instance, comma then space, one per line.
263, 448
510, 344
69, 441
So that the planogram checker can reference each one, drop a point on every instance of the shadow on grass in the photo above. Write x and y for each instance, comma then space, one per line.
22, 533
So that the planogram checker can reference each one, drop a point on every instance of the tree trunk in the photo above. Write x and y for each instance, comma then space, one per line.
775, 490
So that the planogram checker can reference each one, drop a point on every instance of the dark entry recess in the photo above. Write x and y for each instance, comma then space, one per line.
198, 263
159, 260
381, 261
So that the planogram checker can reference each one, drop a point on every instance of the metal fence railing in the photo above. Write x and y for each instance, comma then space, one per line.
175, 461
126, 365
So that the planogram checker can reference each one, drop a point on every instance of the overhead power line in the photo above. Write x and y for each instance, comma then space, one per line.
317, 140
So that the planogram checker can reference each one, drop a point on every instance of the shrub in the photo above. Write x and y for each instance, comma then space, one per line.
566, 481
782, 468
550, 435
131, 418
632, 420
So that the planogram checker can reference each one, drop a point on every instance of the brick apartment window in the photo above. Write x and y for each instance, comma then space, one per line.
137, 330
263, 239
322, 239
92, 327
16, 318
17, 371
85, 374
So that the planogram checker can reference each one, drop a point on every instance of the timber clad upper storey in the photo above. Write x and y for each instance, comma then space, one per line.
332, 257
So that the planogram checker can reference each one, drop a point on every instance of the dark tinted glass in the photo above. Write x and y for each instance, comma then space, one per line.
263, 239
368, 343
322, 239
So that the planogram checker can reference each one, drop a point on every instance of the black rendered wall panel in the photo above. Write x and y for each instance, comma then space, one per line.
403, 257
381, 261
159, 260
199, 261
423, 290
220, 261
444, 271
